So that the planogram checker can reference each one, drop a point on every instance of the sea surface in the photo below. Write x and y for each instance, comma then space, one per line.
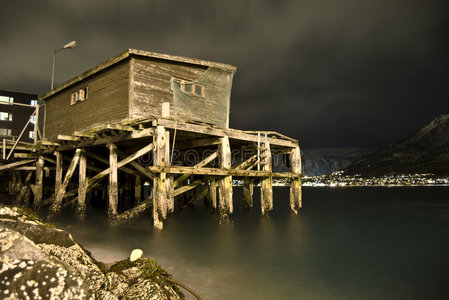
346, 243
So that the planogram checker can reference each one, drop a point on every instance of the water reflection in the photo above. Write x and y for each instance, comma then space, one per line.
358, 243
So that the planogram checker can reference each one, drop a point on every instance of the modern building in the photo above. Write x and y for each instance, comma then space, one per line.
15, 111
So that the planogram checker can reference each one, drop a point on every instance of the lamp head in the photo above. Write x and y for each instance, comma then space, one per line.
72, 44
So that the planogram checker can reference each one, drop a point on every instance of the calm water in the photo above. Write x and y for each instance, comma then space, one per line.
347, 243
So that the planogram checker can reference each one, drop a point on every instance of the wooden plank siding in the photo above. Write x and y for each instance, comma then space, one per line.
107, 101
151, 85
133, 86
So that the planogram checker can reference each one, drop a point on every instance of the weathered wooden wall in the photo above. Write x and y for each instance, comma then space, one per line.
107, 102
151, 85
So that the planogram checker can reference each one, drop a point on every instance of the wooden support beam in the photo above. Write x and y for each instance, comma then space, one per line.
220, 172
231, 133
113, 182
247, 163
82, 186
49, 160
142, 170
225, 183
213, 186
196, 143
39, 183
80, 134
106, 161
201, 164
56, 206
266, 184
71, 138
123, 162
12, 183
295, 185
248, 191
138, 189
16, 164
24, 155
203, 193
121, 136
132, 212
4, 149
188, 187
59, 168
169, 186
160, 159
24, 189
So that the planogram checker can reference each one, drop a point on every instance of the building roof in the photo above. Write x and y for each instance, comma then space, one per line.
9, 92
133, 52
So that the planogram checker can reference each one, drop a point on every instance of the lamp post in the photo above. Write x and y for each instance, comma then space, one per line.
70, 45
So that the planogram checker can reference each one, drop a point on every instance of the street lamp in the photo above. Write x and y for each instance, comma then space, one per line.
70, 45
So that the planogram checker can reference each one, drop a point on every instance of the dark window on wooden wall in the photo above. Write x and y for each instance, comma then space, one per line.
189, 87
78, 96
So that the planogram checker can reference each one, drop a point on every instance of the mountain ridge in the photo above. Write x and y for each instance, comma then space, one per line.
427, 151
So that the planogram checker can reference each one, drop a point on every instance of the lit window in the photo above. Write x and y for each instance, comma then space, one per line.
6, 99
31, 134
189, 87
79, 95
33, 102
5, 131
33, 120
4, 116
82, 94
74, 98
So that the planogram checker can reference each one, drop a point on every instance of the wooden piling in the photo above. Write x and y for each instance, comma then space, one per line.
159, 181
113, 181
56, 205
82, 186
24, 189
295, 185
205, 178
213, 185
266, 184
137, 189
59, 169
225, 204
248, 191
169, 183
39, 181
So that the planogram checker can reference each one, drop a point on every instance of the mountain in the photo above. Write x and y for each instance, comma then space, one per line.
322, 161
425, 152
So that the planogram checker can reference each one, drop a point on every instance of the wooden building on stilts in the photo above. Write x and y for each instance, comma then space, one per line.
147, 119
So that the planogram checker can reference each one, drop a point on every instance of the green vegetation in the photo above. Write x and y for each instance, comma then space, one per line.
150, 271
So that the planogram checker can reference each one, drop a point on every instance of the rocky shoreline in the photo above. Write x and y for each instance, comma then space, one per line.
39, 261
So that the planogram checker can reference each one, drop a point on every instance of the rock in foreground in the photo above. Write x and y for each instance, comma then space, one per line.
38, 261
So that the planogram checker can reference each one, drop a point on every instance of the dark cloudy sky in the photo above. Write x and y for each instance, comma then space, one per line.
330, 73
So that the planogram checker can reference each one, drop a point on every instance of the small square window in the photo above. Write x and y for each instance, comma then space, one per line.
79, 95
189, 87
82, 94
33, 102
5, 116
5, 131
73, 98
199, 90
31, 134
6, 99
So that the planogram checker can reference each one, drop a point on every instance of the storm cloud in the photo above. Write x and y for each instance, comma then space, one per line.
329, 73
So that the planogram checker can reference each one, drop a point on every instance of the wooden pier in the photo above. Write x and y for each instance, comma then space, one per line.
181, 159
